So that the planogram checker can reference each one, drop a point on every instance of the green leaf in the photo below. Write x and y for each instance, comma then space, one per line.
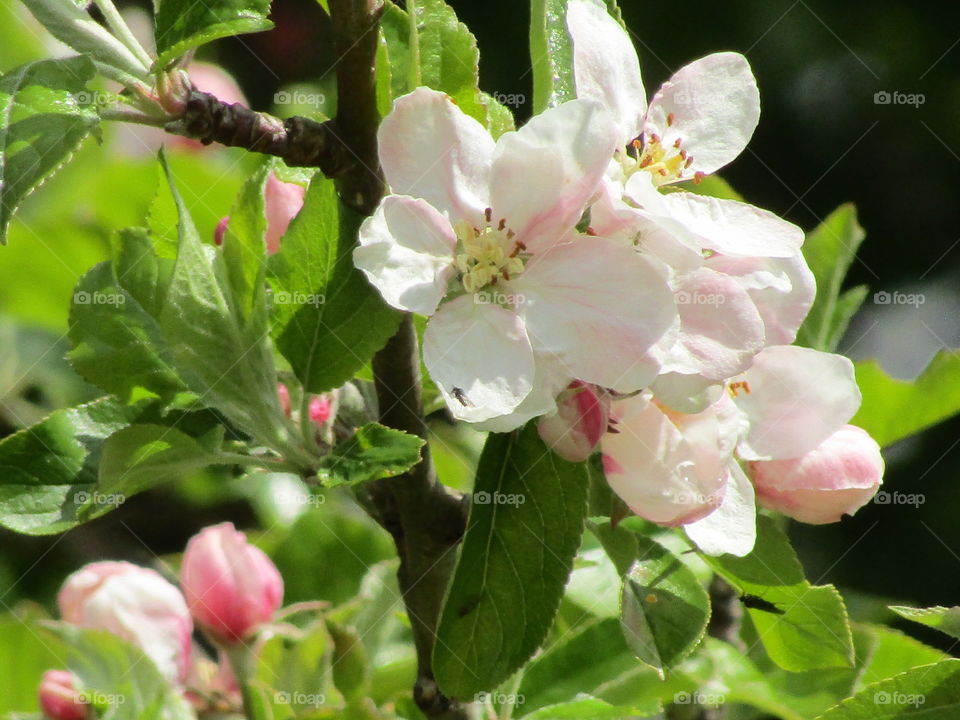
244, 244
141, 456
24, 657
664, 608
44, 115
119, 676
587, 708
351, 672
829, 250
802, 626
894, 409
182, 25
944, 619
328, 320
551, 52
49, 471
931, 692
523, 532
296, 667
372, 453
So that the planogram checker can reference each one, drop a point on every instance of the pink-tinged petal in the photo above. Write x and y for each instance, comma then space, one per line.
783, 290
59, 699
605, 66
732, 527
544, 174
720, 328
666, 467
480, 358
794, 398
406, 251
573, 432
598, 306
430, 149
282, 202
836, 478
712, 106
734, 228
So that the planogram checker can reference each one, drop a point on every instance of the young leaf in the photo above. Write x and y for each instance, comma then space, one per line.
551, 52
372, 453
664, 608
45, 113
894, 409
296, 668
522, 534
829, 250
182, 25
123, 680
802, 626
50, 469
929, 691
944, 619
328, 320
23, 660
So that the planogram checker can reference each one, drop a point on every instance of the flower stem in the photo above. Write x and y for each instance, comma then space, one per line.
122, 31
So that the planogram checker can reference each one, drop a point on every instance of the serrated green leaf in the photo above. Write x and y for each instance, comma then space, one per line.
123, 680
944, 619
587, 708
522, 535
372, 453
44, 115
328, 321
802, 626
829, 250
551, 53
894, 409
244, 245
664, 607
182, 25
931, 692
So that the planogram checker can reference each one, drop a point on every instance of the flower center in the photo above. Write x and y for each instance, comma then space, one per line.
666, 163
487, 254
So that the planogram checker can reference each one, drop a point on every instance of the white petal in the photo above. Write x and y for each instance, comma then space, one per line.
480, 358
795, 398
668, 471
735, 228
686, 393
544, 174
406, 251
720, 328
598, 306
549, 379
732, 527
430, 149
783, 290
606, 67
715, 106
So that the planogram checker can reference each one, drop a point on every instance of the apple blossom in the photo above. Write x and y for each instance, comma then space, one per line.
836, 478
136, 604
231, 586
575, 429
480, 235
59, 699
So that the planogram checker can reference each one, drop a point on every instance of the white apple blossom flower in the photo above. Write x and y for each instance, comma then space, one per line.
480, 235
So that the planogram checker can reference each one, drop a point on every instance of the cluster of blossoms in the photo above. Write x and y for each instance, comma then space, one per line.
564, 278
229, 589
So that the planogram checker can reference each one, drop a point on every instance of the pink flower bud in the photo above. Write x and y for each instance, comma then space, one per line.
221, 230
284, 394
231, 586
136, 604
574, 430
58, 697
837, 477
283, 202
320, 409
